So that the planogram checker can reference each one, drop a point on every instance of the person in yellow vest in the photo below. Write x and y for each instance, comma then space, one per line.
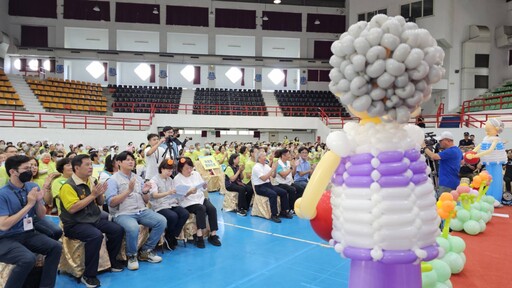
244, 154
197, 152
249, 164
10, 151
221, 155
63, 167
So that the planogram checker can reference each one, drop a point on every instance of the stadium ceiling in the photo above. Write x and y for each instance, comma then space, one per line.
314, 3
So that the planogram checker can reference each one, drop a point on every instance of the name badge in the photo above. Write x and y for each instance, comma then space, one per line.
28, 224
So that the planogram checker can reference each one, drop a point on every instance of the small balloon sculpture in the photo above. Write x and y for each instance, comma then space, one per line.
476, 208
492, 153
383, 204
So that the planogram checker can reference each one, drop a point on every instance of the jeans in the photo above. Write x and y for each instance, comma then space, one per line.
301, 184
267, 190
47, 227
148, 218
19, 250
92, 235
176, 219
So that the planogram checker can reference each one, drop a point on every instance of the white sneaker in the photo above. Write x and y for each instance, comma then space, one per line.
150, 256
133, 263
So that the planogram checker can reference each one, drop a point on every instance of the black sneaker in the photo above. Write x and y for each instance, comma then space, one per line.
116, 267
275, 219
241, 212
214, 240
90, 282
200, 242
286, 215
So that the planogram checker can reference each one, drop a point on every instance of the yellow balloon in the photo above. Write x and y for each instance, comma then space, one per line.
305, 207
365, 118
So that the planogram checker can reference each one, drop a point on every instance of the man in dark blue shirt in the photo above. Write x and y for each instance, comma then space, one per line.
20, 202
449, 163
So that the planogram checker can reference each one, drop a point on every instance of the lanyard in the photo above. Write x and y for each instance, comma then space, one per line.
20, 198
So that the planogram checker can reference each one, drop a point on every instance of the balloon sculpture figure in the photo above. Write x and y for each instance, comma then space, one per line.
492, 153
383, 204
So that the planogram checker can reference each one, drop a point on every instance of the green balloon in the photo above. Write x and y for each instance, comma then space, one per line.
456, 225
472, 227
463, 257
482, 225
488, 199
448, 284
485, 206
441, 285
443, 243
475, 215
457, 244
463, 215
454, 261
476, 206
442, 270
428, 279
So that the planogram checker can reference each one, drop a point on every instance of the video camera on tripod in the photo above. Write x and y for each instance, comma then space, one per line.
430, 140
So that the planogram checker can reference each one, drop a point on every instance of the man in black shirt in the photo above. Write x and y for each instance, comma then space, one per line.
466, 144
508, 171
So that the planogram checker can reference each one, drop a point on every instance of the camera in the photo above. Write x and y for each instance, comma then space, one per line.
430, 141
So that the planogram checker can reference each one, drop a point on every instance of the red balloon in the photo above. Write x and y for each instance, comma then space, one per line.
472, 161
322, 223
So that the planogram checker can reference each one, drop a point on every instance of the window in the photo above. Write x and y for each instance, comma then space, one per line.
46, 65
276, 76
417, 9
32, 64
234, 74
188, 73
368, 16
482, 60
17, 64
143, 71
245, 132
95, 69
509, 57
481, 81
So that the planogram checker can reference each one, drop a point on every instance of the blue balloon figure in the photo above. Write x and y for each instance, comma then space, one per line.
493, 155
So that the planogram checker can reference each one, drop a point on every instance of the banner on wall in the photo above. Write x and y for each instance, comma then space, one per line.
163, 74
211, 75
257, 78
59, 68
303, 80
112, 71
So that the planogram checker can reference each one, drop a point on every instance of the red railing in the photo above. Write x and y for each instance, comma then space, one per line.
12, 118
480, 104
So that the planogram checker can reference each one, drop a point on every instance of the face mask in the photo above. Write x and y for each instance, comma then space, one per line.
25, 176
58, 159
46, 161
2, 146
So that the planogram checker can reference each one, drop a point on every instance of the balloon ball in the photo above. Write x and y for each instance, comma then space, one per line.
322, 223
472, 161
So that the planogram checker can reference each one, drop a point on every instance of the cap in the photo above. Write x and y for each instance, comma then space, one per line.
445, 135
167, 128
466, 133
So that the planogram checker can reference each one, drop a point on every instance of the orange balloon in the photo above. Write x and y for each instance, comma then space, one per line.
446, 197
477, 180
443, 214
448, 206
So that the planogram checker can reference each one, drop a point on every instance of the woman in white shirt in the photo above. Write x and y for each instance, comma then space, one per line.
165, 201
260, 178
195, 202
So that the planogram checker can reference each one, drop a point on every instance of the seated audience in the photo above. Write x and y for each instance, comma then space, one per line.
261, 174
303, 169
195, 201
164, 201
127, 195
81, 218
234, 177
20, 202
284, 176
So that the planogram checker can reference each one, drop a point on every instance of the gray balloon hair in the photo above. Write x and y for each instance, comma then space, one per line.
497, 124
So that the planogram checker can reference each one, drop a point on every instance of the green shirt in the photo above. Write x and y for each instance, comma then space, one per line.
3, 176
56, 185
249, 164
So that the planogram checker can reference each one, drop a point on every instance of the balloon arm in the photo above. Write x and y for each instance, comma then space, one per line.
305, 207
483, 153
446, 228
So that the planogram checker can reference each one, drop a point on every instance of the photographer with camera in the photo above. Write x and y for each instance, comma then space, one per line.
449, 162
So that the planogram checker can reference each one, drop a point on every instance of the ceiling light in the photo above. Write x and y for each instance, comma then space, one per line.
155, 11
277, 1
265, 18
96, 8
317, 21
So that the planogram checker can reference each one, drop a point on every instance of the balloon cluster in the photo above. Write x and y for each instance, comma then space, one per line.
438, 276
446, 206
454, 256
385, 67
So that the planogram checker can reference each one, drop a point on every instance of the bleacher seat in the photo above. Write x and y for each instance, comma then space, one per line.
219, 101
140, 99
307, 103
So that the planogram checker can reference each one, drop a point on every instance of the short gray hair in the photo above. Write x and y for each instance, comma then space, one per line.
261, 154
497, 124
